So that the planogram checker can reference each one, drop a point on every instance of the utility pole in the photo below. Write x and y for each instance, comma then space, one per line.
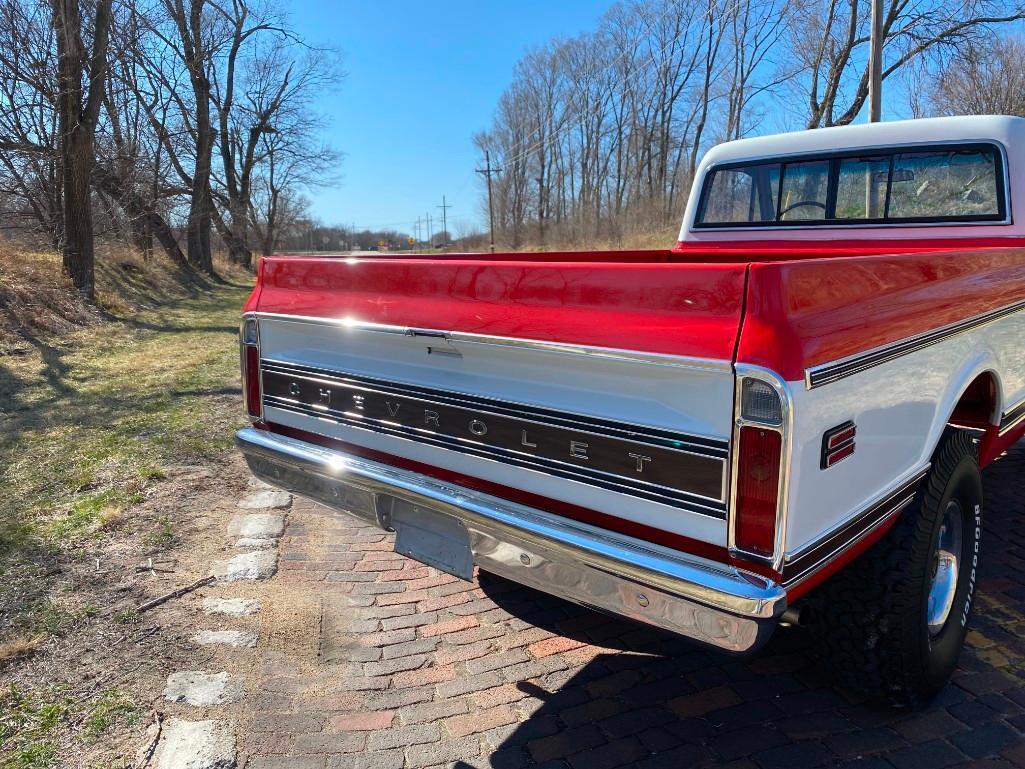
430, 232
444, 216
487, 171
875, 64
418, 231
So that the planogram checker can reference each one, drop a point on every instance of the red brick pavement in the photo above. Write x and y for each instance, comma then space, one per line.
414, 668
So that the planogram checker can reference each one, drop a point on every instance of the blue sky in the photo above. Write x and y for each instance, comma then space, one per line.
422, 79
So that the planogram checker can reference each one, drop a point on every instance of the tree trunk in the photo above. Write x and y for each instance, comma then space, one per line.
197, 233
78, 254
77, 118
237, 238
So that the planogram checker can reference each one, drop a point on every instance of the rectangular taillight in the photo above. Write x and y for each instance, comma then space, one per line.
757, 498
251, 368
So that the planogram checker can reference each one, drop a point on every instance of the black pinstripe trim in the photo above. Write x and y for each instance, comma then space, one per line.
826, 549
720, 449
831, 372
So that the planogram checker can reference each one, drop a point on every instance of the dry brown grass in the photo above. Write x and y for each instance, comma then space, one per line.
38, 303
662, 239
21, 646
36, 299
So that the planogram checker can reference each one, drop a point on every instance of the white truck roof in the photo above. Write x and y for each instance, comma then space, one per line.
1005, 131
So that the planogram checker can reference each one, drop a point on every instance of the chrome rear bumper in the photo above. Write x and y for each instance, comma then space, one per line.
709, 602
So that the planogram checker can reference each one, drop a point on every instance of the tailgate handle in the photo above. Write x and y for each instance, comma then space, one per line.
431, 334
427, 332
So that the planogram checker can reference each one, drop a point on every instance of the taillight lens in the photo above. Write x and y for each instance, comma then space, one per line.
251, 368
759, 456
760, 403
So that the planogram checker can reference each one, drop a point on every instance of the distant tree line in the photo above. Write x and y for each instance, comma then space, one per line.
182, 125
305, 234
600, 134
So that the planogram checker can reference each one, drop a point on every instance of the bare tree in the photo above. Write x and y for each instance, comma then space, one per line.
130, 168
131, 101
602, 133
292, 160
756, 31
608, 126
978, 81
267, 92
195, 54
830, 38
29, 172
238, 153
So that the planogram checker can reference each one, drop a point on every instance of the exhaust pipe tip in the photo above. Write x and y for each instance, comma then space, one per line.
794, 616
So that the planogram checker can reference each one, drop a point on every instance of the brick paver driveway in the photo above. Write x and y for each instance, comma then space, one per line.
407, 667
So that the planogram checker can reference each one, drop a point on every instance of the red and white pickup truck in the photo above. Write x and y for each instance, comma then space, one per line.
799, 395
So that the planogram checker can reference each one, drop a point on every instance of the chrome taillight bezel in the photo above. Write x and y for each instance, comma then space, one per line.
782, 423
249, 338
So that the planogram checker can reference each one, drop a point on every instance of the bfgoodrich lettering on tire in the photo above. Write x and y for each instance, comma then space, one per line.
893, 623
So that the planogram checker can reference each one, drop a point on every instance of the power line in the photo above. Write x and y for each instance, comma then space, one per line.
875, 64
488, 171
444, 216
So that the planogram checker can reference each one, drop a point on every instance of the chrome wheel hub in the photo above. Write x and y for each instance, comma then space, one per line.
945, 568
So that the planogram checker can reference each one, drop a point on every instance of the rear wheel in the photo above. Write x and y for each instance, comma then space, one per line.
894, 621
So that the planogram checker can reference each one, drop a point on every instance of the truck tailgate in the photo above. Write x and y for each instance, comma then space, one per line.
603, 385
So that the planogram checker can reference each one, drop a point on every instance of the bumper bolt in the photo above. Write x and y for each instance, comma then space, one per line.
642, 599
525, 559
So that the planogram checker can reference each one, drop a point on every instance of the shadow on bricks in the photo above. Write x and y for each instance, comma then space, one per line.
429, 671
634, 696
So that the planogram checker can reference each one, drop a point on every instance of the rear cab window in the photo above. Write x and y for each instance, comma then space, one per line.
921, 184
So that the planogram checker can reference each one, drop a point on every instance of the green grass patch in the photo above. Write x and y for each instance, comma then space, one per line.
162, 536
30, 722
112, 707
89, 425
28, 727
127, 616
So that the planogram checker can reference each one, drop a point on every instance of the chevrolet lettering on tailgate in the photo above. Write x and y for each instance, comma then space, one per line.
685, 471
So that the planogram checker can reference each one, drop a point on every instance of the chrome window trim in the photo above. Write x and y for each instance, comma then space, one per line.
456, 338
785, 429
826, 373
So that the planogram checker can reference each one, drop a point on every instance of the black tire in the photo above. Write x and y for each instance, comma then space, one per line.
871, 619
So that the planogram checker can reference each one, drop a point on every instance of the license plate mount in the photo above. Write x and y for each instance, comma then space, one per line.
430, 537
